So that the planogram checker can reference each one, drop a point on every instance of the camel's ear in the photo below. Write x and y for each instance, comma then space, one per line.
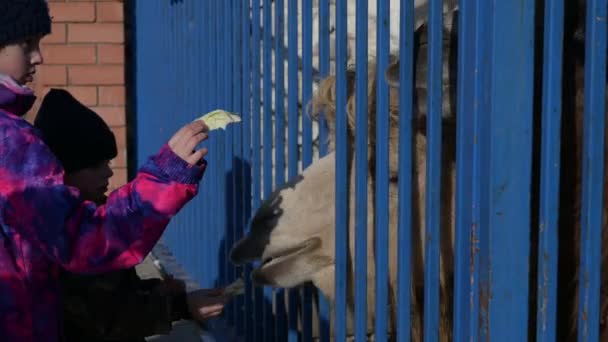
392, 75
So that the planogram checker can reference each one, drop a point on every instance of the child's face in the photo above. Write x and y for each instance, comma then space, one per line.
19, 60
92, 182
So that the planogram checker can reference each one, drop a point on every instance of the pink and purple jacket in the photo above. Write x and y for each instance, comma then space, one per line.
44, 225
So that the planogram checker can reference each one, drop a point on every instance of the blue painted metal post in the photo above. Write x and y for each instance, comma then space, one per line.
279, 24
258, 300
324, 49
292, 109
324, 306
226, 181
279, 93
236, 160
505, 239
471, 204
268, 119
470, 83
406, 82
292, 148
292, 104
361, 167
550, 162
306, 142
433, 173
268, 317
341, 174
306, 87
247, 325
196, 103
382, 173
593, 171
218, 142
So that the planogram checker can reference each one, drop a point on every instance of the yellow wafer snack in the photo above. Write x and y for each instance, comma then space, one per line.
235, 288
219, 119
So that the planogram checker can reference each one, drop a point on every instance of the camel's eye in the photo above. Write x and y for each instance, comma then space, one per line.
394, 178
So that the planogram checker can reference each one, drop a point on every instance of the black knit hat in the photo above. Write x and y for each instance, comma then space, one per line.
76, 134
20, 19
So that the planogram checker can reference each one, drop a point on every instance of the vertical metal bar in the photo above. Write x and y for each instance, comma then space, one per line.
200, 264
167, 74
323, 70
306, 141
267, 130
227, 214
255, 88
247, 325
184, 114
182, 106
406, 82
214, 146
223, 151
279, 25
258, 300
268, 316
163, 40
361, 167
217, 165
218, 145
470, 83
324, 48
292, 105
207, 209
341, 174
170, 71
237, 160
292, 148
179, 36
481, 174
279, 92
231, 42
510, 116
433, 173
382, 173
550, 160
593, 171
229, 210
306, 84
473, 85
200, 103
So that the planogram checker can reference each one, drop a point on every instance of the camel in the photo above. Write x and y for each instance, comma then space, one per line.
299, 237
293, 231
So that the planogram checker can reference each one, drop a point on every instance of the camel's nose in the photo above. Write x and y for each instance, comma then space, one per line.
266, 216
244, 251
251, 247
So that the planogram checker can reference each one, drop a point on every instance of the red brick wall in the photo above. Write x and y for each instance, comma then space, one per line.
85, 54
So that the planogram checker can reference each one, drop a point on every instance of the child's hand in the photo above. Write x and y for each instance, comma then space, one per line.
187, 138
206, 303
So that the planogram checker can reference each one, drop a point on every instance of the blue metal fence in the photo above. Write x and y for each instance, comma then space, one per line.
195, 56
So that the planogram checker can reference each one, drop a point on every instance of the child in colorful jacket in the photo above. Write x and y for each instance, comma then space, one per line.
45, 225
116, 306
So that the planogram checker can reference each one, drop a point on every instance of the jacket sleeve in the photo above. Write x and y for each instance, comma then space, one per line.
81, 236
